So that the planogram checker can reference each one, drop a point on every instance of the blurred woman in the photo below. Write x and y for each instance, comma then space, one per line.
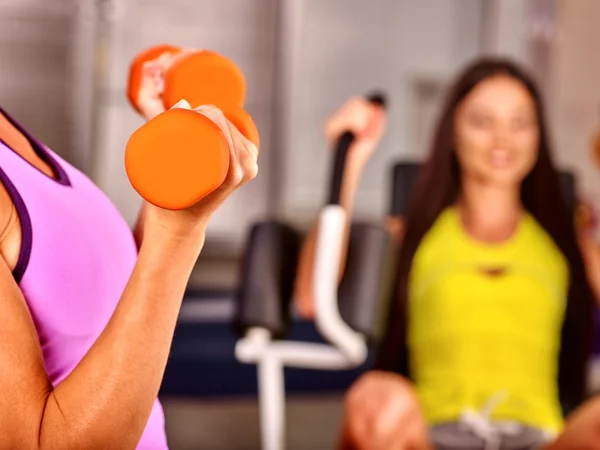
490, 330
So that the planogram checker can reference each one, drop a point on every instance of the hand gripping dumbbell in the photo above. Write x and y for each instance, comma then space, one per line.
180, 156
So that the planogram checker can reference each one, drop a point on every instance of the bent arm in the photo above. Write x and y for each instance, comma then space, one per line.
366, 120
107, 399
304, 277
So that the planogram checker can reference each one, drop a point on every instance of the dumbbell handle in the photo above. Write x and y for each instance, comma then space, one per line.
341, 154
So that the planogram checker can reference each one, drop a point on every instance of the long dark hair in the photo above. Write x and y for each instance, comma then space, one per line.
438, 187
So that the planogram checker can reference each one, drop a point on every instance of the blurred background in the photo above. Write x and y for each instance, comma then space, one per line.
64, 73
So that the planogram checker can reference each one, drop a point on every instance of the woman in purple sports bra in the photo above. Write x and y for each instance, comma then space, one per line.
87, 319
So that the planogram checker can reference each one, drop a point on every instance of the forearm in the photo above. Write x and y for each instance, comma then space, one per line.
106, 401
304, 277
350, 183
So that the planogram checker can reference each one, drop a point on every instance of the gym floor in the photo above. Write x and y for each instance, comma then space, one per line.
312, 424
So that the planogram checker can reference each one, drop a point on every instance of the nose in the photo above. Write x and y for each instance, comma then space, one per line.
502, 134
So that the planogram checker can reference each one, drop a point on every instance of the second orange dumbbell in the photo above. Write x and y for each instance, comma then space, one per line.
202, 77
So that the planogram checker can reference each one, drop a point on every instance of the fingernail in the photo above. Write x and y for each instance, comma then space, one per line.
182, 104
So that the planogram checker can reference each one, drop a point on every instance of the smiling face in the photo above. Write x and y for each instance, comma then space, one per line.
496, 132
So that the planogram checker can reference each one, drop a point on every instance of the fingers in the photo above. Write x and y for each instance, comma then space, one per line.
246, 156
217, 116
171, 59
166, 60
377, 123
153, 73
152, 86
243, 165
355, 115
149, 99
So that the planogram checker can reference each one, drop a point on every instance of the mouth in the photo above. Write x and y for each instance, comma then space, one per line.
500, 158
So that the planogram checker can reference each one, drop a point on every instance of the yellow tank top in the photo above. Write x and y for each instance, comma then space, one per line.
485, 323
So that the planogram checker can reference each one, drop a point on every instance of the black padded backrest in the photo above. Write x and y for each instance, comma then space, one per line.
267, 277
404, 177
367, 284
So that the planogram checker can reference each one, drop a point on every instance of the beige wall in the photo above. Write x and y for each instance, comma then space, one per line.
240, 29
328, 49
575, 93
46, 71
349, 47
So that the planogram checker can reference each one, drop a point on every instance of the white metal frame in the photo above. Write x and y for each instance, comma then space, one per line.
346, 349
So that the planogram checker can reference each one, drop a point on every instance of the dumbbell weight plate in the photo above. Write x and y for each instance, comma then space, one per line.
176, 159
205, 78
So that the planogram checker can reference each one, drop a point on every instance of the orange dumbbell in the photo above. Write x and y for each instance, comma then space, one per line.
180, 156
202, 77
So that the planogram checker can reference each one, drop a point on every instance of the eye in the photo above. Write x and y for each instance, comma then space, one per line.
481, 121
523, 123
